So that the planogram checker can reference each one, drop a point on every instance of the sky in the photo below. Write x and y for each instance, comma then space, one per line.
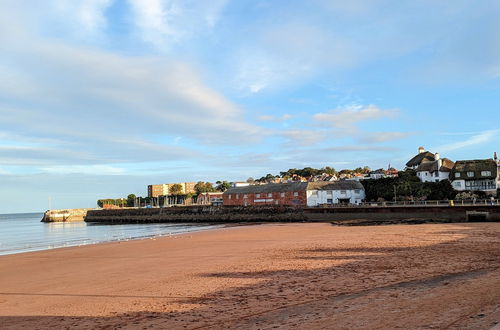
99, 98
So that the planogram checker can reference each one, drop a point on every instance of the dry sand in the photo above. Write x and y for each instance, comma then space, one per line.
290, 276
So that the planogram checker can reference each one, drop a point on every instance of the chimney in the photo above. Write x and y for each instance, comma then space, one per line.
437, 157
421, 150
495, 156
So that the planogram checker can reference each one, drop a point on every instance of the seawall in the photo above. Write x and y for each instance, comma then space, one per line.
347, 215
66, 215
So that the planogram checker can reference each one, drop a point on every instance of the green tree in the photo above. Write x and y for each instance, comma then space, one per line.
222, 186
175, 189
131, 200
203, 187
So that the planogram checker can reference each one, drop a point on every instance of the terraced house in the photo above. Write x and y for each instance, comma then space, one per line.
297, 193
476, 175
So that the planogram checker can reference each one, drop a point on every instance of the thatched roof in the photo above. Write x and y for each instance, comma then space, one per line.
476, 166
296, 186
422, 157
446, 166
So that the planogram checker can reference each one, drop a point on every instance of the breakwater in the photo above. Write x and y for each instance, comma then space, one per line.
66, 215
347, 215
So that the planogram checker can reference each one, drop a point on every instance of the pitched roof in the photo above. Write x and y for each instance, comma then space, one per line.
446, 166
476, 166
296, 186
418, 159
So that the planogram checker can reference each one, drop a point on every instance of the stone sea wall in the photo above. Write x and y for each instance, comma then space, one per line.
225, 214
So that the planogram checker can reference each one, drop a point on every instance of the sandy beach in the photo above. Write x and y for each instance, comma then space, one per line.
307, 276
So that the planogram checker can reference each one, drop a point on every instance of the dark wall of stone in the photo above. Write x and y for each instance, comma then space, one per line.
233, 214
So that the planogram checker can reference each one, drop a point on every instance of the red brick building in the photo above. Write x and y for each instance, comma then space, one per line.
309, 194
267, 194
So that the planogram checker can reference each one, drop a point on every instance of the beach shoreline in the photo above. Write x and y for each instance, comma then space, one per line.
310, 274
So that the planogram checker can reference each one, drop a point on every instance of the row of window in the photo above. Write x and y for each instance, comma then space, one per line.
471, 174
269, 195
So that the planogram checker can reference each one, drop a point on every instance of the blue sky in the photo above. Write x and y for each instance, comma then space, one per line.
99, 98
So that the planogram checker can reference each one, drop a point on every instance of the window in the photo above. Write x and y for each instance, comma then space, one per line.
342, 192
357, 191
245, 196
282, 194
436, 174
329, 193
329, 200
295, 193
257, 195
457, 175
270, 195
470, 174
485, 173
314, 193
237, 196
229, 196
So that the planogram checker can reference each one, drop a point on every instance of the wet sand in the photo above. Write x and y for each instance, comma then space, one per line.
307, 276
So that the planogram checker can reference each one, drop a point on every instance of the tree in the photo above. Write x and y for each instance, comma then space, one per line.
222, 186
250, 180
131, 200
203, 187
330, 170
175, 189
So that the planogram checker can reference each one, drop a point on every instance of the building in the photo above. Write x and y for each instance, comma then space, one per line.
421, 157
296, 193
476, 175
210, 198
239, 184
156, 190
435, 171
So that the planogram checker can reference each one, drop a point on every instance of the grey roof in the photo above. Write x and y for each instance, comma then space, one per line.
476, 166
418, 159
446, 166
296, 186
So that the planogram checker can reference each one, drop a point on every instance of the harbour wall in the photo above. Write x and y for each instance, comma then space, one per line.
342, 215
67, 215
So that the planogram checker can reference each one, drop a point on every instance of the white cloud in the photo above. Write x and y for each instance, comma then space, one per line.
87, 169
87, 13
347, 118
384, 136
277, 119
166, 22
301, 137
478, 139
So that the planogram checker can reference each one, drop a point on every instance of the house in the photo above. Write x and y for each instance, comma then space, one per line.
210, 198
435, 171
296, 193
476, 175
421, 157
377, 174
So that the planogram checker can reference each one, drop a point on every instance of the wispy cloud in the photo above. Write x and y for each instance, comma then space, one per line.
88, 14
347, 118
478, 139
167, 22
384, 137
276, 119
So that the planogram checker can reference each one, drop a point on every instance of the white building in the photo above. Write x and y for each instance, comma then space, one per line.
338, 192
476, 175
434, 171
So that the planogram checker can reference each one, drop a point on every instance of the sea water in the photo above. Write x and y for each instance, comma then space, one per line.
23, 232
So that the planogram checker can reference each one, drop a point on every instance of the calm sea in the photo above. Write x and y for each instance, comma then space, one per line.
24, 232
